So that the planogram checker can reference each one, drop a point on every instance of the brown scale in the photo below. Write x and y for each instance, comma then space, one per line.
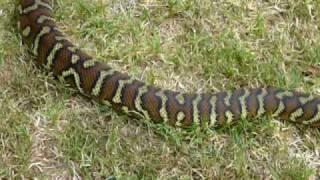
151, 102
205, 109
129, 94
187, 109
235, 103
89, 75
110, 85
291, 104
309, 109
270, 101
62, 61
28, 21
31, 18
47, 43
173, 107
252, 102
26, 3
221, 108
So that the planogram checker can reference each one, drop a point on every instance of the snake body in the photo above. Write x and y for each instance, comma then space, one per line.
58, 55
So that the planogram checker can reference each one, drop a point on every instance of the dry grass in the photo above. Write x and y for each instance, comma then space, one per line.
48, 131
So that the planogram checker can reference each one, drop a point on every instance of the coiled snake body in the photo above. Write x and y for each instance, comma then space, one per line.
53, 51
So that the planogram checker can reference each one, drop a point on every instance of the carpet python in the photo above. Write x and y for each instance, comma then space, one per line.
101, 82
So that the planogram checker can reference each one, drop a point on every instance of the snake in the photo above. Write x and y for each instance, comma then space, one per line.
70, 64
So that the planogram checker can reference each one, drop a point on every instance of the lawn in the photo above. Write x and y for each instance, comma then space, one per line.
48, 130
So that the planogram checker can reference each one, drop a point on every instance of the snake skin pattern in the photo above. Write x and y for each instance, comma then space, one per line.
108, 86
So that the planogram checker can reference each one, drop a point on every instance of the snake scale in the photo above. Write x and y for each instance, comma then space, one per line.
67, 62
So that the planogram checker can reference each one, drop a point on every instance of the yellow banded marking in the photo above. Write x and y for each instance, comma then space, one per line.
59, 38
227, 98
280, 109
41, 19
57, 29
229, 116
281, 105
117, 97
260, 98
44, 30
196, 115
73, 49
89, 63
244, 110
35, 6
280, 95
163, 110
213, 113
97, 87
180, 98
180, 116
297, 113
138, 101
52, 54
75, 58
26, 31
315, 118
304, 100
76, 76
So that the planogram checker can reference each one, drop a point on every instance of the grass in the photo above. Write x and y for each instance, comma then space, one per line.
48, 131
